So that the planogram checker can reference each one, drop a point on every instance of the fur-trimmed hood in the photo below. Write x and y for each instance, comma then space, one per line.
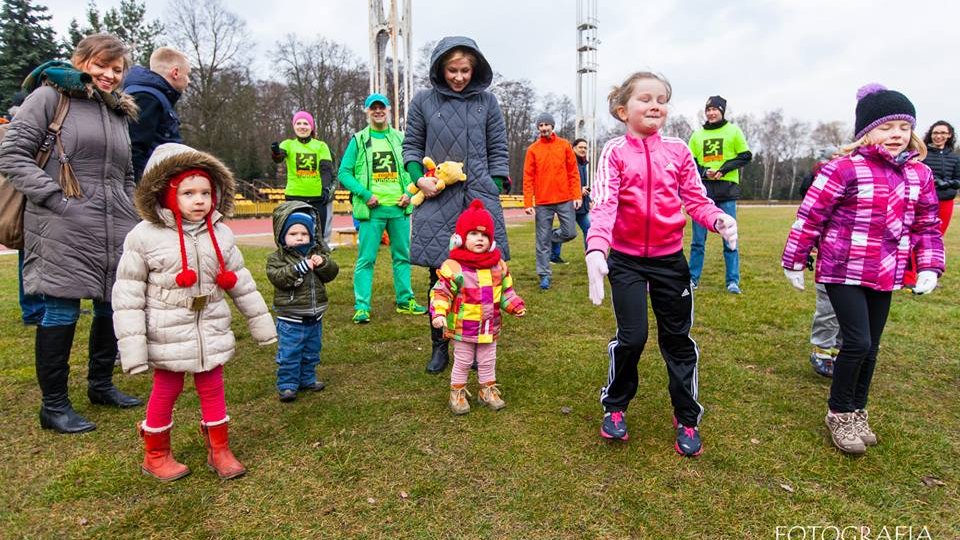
171, 159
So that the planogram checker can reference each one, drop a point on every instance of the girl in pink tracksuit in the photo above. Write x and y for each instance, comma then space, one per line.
867, 211
636, 234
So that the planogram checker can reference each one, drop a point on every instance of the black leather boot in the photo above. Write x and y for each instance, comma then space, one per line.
103, 354
53, 368
440, 356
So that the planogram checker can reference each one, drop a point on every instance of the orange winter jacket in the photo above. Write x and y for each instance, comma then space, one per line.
550, 173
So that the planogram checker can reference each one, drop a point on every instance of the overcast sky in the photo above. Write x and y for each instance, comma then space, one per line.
807, 57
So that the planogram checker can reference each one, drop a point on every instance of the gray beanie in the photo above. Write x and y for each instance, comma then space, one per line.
545, 118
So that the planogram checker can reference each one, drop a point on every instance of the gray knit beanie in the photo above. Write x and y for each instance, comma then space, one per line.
545, 118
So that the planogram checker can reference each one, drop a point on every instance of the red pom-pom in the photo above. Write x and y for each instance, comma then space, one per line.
226, 280
186, 278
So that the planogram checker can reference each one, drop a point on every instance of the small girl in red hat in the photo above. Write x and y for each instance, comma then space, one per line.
473, 285
170, 313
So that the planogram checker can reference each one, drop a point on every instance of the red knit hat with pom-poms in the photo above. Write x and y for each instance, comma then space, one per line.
187, 277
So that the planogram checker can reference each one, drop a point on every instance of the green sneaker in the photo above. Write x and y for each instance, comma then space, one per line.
362, 316
412, 308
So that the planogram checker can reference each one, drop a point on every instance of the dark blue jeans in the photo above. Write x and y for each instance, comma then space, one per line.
66, 311
298, 354
31, 305
583, 220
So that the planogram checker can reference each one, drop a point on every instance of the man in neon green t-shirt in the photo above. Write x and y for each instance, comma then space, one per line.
371, 169
310, 173
720, 150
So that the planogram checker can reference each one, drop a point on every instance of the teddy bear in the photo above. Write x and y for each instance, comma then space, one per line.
446, 173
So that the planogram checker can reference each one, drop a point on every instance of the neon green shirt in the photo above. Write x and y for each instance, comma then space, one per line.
303, 166
714, 147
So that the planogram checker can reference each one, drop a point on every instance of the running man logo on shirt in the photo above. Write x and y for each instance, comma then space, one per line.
712, 150
384, 168
307, 164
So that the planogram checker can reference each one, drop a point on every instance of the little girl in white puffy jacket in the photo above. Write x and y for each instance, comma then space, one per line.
170, 313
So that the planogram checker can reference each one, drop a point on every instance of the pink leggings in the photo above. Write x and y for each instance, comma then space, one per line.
463, 355
167, 386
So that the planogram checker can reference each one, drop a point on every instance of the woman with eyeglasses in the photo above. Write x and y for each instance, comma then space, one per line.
945, 165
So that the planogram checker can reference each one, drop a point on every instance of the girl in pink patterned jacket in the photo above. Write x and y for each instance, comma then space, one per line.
865, 212
472, 286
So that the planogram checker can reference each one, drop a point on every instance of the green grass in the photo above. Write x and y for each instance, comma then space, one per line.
382, 429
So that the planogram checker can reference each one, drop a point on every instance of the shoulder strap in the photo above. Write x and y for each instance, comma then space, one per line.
161, 97
53, 130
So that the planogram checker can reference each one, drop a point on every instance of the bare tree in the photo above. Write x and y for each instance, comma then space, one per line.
678, 126
796, 144
834, 133
215, 40
329, 81
517, 101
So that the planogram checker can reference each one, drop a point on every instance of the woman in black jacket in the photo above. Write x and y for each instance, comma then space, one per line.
946, 176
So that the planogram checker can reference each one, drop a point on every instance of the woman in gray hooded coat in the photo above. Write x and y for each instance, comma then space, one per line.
78, 211
457, 119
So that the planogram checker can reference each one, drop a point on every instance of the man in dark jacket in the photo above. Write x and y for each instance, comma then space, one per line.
156, 91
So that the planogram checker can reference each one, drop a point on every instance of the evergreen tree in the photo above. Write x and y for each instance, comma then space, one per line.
128, 23
26, 41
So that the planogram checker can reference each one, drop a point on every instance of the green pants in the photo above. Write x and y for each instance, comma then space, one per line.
397, 224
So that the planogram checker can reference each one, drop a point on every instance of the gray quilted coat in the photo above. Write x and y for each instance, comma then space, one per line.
72, 246
450, 126
152, 318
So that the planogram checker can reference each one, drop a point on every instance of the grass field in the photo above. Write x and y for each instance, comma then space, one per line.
378, 455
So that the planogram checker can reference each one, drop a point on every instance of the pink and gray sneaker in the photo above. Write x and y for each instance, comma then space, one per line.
614, 426
688, 440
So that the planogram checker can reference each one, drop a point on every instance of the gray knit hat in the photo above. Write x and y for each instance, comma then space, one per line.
545, 118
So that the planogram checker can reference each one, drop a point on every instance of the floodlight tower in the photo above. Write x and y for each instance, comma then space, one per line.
390, 28
587, 43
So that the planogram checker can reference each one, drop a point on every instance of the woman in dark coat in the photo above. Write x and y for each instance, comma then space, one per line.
945, 165
77, 215
457, 119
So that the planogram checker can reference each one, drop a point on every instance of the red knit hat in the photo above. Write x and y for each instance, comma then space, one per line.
187, 276
474, 218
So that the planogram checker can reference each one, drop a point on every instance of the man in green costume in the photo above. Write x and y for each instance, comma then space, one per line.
372, 170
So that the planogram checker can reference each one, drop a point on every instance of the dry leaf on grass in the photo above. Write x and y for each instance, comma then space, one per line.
932, 481
371, 500
787, 487
755, 441
566, 410
404, 495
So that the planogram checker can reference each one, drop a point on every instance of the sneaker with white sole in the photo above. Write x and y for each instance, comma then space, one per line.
843, 432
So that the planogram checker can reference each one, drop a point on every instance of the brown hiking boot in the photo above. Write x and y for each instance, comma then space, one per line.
458, 400
868, 437
843, 432
490, 396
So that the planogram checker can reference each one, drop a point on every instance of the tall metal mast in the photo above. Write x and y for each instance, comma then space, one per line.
389, 28
587, 43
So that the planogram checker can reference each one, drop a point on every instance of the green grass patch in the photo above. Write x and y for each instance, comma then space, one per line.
378, 455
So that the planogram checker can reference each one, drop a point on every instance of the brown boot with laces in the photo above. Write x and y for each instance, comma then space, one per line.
458, 399
490, 396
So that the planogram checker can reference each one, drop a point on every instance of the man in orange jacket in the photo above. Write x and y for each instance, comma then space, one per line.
551, 186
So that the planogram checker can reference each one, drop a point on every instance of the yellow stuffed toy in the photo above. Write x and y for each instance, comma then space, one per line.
446, 173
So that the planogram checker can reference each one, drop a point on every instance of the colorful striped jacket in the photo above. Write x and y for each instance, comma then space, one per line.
865, 212
471, 298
